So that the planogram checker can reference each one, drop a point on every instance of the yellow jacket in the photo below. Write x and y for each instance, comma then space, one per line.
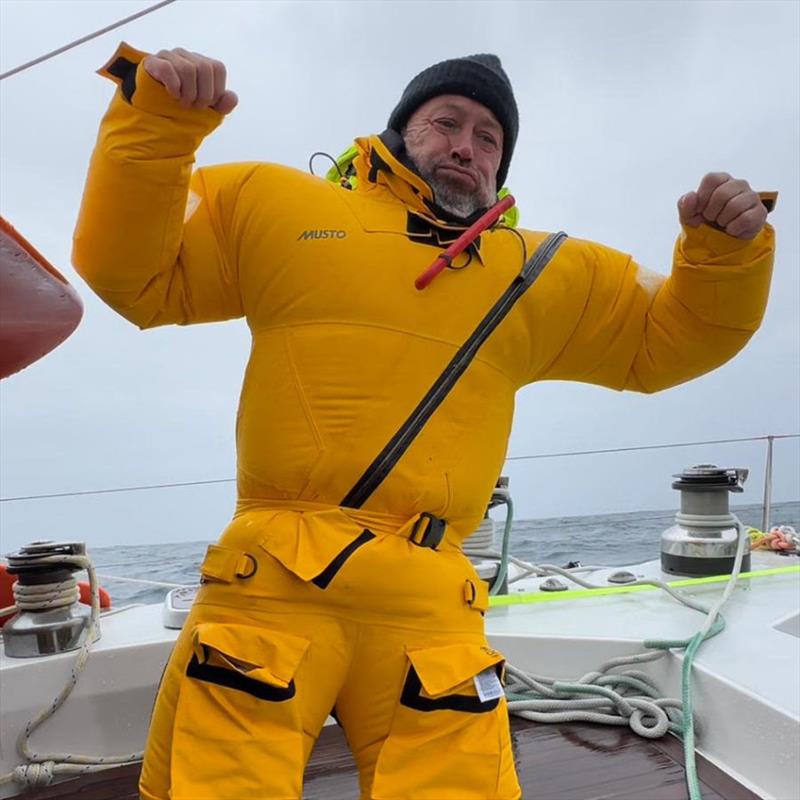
344, 346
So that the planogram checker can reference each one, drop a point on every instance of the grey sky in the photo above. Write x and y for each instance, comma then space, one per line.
624, 106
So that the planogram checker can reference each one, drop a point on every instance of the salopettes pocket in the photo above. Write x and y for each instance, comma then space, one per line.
449, 738
238, 730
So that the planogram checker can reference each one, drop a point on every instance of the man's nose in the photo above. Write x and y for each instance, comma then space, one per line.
461, 145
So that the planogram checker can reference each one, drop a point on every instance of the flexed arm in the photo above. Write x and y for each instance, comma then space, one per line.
645, 331
716, 296
152, 239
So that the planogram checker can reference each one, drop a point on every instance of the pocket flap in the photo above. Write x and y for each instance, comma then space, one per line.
440, 669
263, 655
306, 543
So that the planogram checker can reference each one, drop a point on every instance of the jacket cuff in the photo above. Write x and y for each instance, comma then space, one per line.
147, 94
707, 245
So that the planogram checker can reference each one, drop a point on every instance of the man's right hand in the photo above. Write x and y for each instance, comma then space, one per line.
195, 80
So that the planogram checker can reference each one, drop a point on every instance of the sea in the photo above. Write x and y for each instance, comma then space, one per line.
603, 539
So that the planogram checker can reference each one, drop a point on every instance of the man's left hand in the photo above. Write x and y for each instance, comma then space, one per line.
725, 202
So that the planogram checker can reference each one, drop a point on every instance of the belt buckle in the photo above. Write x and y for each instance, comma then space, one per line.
433, 532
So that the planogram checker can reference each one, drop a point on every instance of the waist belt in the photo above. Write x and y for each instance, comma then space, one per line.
428, 531
385, 461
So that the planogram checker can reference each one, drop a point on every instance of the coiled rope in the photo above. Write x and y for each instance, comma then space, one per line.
41, 768
629, 697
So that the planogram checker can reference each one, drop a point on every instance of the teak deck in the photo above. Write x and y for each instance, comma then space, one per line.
564, 762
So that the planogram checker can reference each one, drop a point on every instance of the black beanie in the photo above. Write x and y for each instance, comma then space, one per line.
481, 78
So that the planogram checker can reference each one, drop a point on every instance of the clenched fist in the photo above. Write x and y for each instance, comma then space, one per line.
725, 202
195, 80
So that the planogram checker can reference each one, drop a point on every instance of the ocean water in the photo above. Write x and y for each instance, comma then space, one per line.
603, 539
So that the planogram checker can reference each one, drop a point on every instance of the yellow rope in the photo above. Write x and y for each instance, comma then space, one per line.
578, 594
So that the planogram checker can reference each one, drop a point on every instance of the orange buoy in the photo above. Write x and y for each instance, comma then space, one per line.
86, 595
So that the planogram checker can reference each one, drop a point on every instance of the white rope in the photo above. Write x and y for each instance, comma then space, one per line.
83, 39
629, 697
625, 698
529, 569
46, 596
40, 768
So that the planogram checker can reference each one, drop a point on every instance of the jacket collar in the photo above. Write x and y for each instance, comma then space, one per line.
382, 163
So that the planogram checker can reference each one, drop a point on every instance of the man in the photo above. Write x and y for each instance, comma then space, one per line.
340, 585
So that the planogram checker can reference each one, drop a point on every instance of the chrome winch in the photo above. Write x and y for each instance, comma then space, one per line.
49, 619
705, 537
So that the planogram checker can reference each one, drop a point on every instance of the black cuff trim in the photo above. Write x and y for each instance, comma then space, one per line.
327, 575
125, 70
235, 680
412, 698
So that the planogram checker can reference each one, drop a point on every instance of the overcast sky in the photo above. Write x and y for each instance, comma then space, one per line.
624, 107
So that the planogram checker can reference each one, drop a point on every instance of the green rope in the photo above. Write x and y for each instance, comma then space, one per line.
687, 732
688, 723
502, 570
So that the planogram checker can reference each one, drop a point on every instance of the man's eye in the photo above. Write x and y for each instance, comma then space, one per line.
446, 123
488, 139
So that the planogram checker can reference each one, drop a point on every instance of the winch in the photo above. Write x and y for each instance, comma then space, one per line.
705, 537
49, 619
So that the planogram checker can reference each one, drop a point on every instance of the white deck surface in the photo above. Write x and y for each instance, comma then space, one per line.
747, 692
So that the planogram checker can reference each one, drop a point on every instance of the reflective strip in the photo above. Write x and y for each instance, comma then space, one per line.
550, 597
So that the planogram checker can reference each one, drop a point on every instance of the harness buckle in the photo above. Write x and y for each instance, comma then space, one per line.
428, 531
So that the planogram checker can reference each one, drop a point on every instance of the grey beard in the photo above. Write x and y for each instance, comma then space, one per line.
451, 200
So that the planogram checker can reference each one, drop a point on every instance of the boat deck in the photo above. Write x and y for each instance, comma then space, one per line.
566, 762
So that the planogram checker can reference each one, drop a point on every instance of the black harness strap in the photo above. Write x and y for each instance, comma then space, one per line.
383, 464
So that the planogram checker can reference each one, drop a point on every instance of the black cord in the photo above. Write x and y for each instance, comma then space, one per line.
327, 155
451, 265
503, 228
522, 240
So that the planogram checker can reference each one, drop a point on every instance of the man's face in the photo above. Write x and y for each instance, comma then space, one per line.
456, 145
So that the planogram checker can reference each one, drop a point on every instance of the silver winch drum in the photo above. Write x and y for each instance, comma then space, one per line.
52, 622
705, 536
